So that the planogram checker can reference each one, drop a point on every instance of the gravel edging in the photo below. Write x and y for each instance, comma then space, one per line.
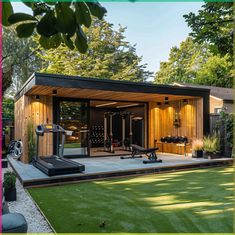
26, 206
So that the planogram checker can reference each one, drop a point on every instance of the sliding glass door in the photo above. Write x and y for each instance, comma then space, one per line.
72, 115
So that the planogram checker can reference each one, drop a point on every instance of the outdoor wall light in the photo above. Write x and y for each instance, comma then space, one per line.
54, 92
185, 101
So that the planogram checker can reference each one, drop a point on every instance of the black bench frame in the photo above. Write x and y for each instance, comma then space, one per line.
150, 153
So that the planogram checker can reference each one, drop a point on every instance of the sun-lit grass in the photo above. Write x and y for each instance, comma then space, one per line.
191, 201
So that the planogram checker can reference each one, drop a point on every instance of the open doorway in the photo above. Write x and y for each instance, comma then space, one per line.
114, 126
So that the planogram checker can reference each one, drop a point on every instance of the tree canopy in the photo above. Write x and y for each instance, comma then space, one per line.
109, 56
206, 57
55, 21
19, 59
192, 62
213, 24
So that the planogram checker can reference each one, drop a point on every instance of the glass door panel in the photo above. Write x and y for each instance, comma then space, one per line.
73, 118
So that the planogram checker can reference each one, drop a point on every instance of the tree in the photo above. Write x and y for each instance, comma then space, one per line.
194, 63
213, 25
216, 72
109, 56
183, 63
19, 60
8, 109
55, 21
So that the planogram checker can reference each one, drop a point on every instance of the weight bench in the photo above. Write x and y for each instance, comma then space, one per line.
150, 153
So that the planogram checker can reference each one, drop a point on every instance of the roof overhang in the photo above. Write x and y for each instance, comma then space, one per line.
93, 88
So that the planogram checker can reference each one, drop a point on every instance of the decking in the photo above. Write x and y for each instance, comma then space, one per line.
106, 167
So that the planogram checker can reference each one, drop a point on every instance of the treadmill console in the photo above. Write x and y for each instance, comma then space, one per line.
48, 128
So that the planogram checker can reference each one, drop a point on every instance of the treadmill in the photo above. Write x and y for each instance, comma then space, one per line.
54, 165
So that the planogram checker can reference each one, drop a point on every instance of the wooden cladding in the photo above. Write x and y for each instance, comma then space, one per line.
161, 120
28, 109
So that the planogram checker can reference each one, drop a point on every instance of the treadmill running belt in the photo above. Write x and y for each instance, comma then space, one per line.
57, 163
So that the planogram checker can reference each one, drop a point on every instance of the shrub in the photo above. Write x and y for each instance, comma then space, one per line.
9, 181
31, 141
211, 143
197, 145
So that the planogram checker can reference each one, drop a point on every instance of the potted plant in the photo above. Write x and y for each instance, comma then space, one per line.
9, 185
197, 148
211, 146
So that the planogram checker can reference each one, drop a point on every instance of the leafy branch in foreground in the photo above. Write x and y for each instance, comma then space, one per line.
56, 22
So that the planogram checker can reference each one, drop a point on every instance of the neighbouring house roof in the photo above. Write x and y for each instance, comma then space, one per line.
222, 93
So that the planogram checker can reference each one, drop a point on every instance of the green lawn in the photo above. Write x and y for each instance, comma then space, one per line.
189, 201
72, 145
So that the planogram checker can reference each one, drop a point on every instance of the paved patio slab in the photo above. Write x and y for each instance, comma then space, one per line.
102, 167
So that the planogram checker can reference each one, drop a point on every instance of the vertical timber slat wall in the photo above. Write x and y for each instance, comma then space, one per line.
161, 120
38, 111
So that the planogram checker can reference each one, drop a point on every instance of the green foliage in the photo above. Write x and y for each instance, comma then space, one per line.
227, 121
31, 140
9, 180
216, 71
213, 24
194, 63
55, 22
19, 59
211, 143
109, 56
8, 109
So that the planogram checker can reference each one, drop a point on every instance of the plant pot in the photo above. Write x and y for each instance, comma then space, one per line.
10, 194
4, 163
212, 155
197, 154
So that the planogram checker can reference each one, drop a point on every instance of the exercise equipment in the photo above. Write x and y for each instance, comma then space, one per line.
126, 142
108, 137
15, 149
54, 165
149, 152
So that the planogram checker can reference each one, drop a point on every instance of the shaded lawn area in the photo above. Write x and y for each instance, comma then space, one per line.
190, 201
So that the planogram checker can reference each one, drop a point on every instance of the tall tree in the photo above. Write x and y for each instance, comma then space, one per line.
216, 71
213, 24
183, 63
109, 56
194, 63
19, 60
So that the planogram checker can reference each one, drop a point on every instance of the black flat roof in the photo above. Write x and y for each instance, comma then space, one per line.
56, 80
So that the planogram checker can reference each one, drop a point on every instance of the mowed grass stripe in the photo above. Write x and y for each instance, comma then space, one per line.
190, 201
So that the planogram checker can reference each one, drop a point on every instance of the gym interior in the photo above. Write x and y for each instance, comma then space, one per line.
101, 127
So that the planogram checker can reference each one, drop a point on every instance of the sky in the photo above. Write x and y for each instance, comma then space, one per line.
155, 27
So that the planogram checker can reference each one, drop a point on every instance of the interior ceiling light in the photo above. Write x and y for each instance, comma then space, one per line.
137, 118
105, 104
126, 106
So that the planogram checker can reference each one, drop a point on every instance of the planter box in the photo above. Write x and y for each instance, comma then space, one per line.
10, 194
212, 155
197, 154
